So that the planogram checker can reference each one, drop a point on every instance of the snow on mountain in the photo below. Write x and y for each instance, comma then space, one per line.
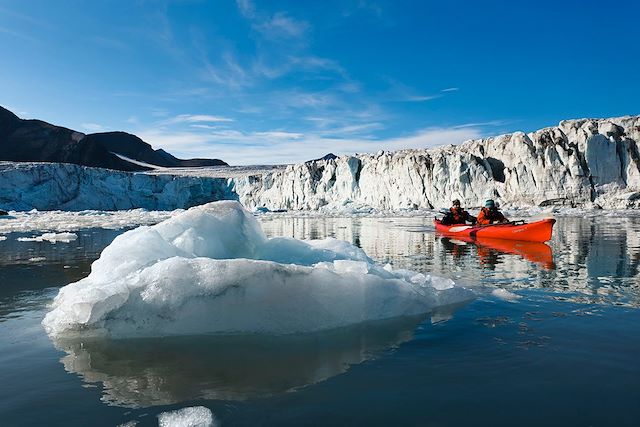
583, 163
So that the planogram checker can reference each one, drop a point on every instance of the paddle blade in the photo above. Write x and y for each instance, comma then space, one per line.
459, 228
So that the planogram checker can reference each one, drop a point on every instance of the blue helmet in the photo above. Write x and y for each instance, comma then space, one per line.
489, 204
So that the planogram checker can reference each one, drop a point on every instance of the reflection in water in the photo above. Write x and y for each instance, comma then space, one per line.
596, 258
489, 250
161, 371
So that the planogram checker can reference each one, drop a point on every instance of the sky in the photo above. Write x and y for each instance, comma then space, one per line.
271, 82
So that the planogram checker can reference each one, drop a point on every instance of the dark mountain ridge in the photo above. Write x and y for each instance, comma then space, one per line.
37, 141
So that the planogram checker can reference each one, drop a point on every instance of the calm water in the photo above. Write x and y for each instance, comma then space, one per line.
566, 353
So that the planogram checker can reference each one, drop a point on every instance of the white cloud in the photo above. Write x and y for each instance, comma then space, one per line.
247, 8
480, 124
281, 26
197, 118
418, 98
278, 147
450, 89
92, 127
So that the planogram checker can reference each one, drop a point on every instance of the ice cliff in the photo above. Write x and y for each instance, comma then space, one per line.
587, 163
65, 186
577, 163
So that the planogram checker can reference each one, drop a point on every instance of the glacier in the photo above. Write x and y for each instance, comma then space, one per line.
585, 163
212, 270
69, 187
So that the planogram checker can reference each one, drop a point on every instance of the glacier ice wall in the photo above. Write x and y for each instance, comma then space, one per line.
577, 163
586, 163
64, 186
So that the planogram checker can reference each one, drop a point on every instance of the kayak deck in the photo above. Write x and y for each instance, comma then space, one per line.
538, 231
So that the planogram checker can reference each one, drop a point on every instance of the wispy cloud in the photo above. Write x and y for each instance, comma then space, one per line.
282, 26
197, 118
418, 98
450, 89
481, 124
279, 147
19, 35
92, 127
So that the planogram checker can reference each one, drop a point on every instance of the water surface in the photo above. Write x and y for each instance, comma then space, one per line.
564, 353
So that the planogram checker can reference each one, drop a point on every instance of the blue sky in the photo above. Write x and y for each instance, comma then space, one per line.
255, 82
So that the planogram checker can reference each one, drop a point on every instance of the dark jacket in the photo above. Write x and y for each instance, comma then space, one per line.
458, 216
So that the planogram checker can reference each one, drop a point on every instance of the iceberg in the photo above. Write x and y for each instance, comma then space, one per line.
195, 416
212, 270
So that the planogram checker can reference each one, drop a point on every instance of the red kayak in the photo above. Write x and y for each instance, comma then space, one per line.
539, 231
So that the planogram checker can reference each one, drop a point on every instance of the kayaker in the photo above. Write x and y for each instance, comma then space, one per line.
490, 214
457, 215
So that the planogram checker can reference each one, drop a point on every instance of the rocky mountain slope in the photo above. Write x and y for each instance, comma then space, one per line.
38, 141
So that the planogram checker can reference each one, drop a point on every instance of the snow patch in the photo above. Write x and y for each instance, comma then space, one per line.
211, 270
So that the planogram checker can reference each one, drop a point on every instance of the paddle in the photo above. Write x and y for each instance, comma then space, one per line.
458, 228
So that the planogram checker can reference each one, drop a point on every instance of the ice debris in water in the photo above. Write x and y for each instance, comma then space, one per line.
211, 269
195, 416
505, 295
51, 237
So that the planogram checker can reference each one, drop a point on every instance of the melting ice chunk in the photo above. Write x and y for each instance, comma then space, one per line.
211, 270
195, 416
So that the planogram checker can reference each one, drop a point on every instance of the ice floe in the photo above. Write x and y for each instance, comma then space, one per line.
211, 270
194, 416
51, 237
63, 221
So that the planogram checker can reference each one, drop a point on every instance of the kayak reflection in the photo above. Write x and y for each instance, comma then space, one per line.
489, 250
162, 371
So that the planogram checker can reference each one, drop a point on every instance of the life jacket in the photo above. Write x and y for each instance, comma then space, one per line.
487, 216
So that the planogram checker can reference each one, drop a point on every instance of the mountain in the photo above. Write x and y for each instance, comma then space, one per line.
38, 141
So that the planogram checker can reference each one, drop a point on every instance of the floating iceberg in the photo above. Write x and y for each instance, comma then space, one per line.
195, 416
211, 270
51, 237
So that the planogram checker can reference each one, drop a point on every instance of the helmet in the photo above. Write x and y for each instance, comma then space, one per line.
489, 204
456, 202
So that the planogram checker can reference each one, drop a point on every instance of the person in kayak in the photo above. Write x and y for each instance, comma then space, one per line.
457, 215
490, 214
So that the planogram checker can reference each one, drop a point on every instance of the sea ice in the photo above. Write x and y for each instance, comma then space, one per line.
211, 270
194, 416
505, 295
64, 221
51, 237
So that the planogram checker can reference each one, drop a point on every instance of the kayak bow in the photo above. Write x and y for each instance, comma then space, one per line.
538, 231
